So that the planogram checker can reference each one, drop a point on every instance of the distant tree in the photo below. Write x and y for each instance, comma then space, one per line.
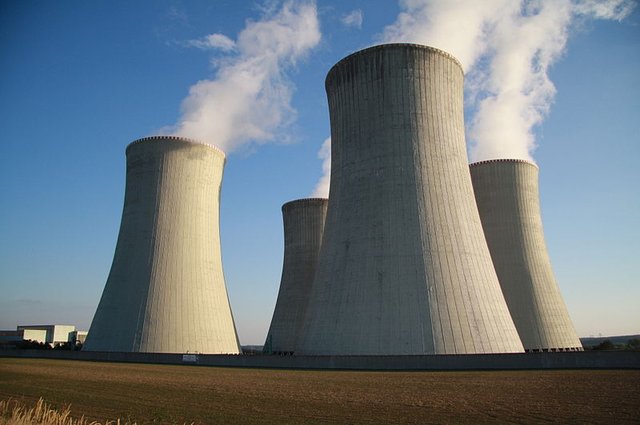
33, 345
63, 346
605, 345
633, 344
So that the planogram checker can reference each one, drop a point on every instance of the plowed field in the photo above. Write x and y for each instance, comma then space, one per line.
206, 395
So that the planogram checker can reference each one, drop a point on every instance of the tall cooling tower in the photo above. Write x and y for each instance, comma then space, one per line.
303, 226
404, 267
506, 192
166, 291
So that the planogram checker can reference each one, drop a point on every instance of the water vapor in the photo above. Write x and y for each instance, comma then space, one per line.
214, 41
353, 19
506, 48
322, 187
249, 99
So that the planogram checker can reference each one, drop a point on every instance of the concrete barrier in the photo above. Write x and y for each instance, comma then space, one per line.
515, 361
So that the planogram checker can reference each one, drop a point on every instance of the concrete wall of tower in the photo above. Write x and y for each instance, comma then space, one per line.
303, 227
404, 267
166, 291
507, 196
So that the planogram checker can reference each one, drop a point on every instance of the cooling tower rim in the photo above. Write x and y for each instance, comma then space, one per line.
387, 45
503, 160
303, 201
177, 139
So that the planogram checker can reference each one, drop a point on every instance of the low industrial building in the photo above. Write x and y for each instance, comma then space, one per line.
37, 335
53, 334
78, 337
44, 334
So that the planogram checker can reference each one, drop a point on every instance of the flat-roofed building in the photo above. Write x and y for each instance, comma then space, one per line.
51, 334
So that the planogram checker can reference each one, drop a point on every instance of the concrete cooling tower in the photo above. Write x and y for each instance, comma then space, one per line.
303, 228
506, 192
166, 291
404, 267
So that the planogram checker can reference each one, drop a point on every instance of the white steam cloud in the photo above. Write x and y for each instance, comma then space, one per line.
248, 100
506, 48
214, 41
352, 19
322, 187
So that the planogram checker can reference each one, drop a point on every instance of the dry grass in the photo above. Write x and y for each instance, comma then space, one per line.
13, 412
206, 395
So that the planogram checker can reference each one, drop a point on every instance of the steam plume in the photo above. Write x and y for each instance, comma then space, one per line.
322, 187
248, 100
352, 19
506, 48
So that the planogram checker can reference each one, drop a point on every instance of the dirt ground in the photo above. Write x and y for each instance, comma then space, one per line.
206, 395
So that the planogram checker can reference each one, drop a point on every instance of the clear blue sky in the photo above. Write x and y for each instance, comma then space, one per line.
81, 80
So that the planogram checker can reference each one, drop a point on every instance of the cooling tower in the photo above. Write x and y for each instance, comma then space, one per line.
166, 291
506, 192
303, 226
404, 267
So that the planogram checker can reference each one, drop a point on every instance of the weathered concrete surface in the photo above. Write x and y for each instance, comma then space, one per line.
512, 361
404, 267
166, 291
507, 196
303, 227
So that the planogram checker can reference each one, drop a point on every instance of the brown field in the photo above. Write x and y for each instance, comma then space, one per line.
206, 395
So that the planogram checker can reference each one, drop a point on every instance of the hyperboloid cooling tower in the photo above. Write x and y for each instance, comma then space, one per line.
303, 227
506, 192
166, 291
404, 267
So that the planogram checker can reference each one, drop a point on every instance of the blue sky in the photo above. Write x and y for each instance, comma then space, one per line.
81, 80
